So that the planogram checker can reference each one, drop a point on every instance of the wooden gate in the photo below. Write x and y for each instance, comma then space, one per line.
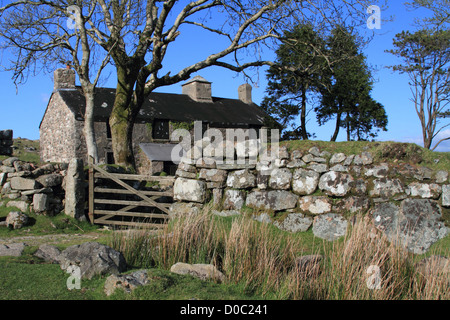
117, 201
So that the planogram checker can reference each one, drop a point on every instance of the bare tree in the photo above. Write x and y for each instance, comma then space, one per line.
137, 34
43, 35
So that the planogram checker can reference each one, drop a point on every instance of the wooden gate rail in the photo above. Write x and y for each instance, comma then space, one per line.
148, 199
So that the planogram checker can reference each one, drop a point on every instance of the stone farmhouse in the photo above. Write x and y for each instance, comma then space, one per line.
61, 128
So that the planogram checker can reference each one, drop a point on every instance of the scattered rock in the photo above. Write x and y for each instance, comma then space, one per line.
93, 258
16, 219
309, 265
49, 253
126, 282
12, 249
200, 271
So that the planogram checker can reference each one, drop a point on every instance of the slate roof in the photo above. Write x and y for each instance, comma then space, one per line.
175, 107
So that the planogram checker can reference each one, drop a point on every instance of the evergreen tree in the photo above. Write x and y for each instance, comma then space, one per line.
346, 95
296, 74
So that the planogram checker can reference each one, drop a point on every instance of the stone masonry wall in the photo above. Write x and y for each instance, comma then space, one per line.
315, 189
58, 132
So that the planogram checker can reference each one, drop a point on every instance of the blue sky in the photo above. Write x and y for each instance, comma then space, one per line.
22, 111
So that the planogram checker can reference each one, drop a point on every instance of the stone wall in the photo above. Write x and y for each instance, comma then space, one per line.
326, 192
44, 190
6, 142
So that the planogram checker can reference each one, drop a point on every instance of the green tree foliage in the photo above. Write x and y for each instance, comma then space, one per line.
346, 94
296, 74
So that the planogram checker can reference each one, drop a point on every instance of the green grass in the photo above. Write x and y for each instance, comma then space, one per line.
386, 151
22, 150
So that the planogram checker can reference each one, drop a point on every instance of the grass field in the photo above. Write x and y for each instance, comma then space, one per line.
257, 259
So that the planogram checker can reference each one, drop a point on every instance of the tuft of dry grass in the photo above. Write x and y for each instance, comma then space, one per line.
364, 265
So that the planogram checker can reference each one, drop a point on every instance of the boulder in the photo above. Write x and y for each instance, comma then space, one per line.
424, 190
318, 167
384, 187
336, 183
126, 282
226, 213
275, 200
337, 158
200, 271
309, 265
352, 204
233, 199
434, 266
93, 259
19, 183
415, 224
214, 175
294, 222
280, 178
10, 161
48, 253
3, 177
330, 226
11, 249
40, 202
262, 217
441, 176
16, 219
364, 158
183, 208
189, 190
446, 195
379, 171
21, 205
241, 179
315, 204
50, 180
304, 182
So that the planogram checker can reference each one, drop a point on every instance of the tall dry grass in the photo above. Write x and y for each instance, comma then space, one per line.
363, 265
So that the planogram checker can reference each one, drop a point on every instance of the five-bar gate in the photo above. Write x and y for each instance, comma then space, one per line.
129, 199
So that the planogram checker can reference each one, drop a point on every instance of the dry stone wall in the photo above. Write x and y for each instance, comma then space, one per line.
325, 192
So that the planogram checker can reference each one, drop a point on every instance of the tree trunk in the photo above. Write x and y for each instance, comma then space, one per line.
338, 125
122, 120
348, 127
304, 133
89, 132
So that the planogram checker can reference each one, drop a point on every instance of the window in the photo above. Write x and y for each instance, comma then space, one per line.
160, 129
110, 158
108, 131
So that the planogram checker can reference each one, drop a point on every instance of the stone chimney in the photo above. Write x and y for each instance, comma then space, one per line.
198, 89
64, 79
245, 93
